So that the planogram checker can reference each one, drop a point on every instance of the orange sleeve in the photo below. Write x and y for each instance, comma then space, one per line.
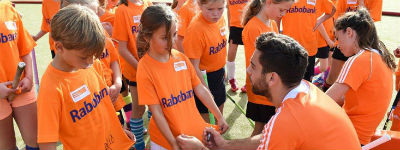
183, 21
49, 111
194, 44
145, 86
355, 71
25, 41
119, 30
112, 50
340, 8
375, 9
45, 19
195, 79
327, 6
277, 136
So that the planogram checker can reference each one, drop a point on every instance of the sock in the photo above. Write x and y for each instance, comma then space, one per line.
231, 69
148, 114
127, 99
137, 129
30, 148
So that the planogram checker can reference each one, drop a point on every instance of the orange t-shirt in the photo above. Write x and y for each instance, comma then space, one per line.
235, 12
398, 77
249, 35
300, 20
328, 24
370, 92
374, 7
109, 56
186, 13
309, 119
15, 41
206, 41
171, 84
49, 9
126, 27
108, 16
75, 108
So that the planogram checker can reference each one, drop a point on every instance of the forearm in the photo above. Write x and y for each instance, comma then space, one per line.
323, 32
48, 146
206, 98
28, 66
39, 35
117, 80
162, 123
240, 144
124, 52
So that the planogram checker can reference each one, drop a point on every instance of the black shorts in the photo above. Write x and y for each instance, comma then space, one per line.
217, 87
323, 52
337, 54
235, 34
310, 68
259, 113
130, 83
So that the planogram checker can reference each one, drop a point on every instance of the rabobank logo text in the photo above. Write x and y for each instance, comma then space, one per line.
236, 2
174, 100
218, 48
78, 114
8, 37
303, 9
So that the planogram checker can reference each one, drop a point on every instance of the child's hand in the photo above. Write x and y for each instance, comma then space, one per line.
5, 91
189, 142
223, 126
114, 90
25, 84
130, 135
330, 43
396, 52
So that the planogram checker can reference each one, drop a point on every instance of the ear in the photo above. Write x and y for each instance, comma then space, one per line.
59, 47
349, 32
273, 78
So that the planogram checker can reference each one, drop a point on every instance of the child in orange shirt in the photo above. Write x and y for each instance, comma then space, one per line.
365, 84
74, 104
126, 27
49, 8
259, 109
205, 45
301, 21
167, 82
185, 14
235, 9
16, 45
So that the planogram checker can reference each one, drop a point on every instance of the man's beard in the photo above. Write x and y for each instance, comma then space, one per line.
260, 87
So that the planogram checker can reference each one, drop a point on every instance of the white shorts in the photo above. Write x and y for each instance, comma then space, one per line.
155, 146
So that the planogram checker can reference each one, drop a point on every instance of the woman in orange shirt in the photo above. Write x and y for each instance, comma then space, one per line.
16, 45
205, 45
167, 82
259, 18
126, 27
365, 84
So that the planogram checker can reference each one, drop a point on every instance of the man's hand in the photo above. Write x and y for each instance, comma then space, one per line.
216, 140
189, 143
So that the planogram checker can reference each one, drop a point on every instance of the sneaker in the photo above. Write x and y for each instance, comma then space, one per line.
243, 89
232, 82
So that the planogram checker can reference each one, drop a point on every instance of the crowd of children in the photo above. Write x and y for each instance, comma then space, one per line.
112, 59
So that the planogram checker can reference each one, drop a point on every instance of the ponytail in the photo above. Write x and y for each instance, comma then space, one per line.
251, 10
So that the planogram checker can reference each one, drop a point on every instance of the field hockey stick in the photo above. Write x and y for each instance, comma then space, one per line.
20, 69
211, 116
35, 70
396, 101
241, 109
377, 142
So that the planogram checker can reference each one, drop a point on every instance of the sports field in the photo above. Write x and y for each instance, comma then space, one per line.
388, 30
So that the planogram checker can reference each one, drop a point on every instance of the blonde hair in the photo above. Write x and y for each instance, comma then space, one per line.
78, 27
254, 7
